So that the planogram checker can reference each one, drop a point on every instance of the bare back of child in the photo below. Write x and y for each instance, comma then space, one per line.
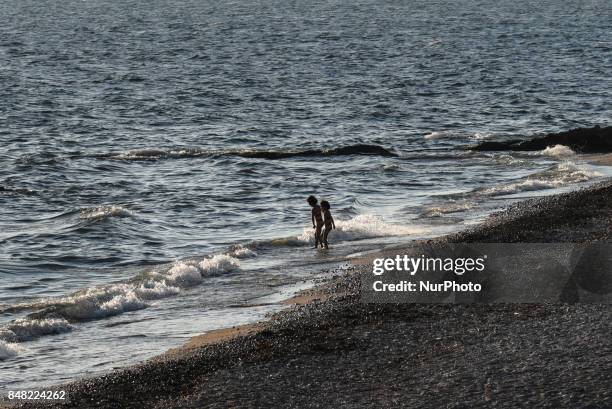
317, 219
328, 222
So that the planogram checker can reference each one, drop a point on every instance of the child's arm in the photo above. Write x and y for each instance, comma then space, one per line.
313, 221
333, 223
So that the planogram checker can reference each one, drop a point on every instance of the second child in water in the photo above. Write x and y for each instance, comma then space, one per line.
328, 221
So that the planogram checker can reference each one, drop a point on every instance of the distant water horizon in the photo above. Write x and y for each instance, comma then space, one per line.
156, 157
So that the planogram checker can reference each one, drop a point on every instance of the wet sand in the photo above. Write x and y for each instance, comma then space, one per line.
603, 160
330, 350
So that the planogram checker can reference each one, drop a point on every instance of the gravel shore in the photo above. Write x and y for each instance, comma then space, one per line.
338, 352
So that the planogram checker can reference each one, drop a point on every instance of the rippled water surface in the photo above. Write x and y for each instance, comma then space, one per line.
155, 156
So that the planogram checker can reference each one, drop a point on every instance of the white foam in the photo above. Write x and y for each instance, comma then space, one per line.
25, 329
153, 290
241, 252
183, 275
362, 227
103, 212
114, 299
8, 350
509, 160
558, 151
522, 186
120, 304
563, 174
480, 136
392, 167
437, 135
218, 264
140, 154
99, 302
440, 210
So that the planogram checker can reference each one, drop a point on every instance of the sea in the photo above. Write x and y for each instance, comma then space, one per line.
156, 156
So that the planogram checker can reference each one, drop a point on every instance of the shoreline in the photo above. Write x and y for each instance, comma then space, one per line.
220, 335
308, 344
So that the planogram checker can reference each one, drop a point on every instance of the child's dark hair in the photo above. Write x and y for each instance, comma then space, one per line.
312, 200
325, 204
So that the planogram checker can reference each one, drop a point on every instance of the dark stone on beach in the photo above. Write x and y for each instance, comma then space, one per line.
581, 140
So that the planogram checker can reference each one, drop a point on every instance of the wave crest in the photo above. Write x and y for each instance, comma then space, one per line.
104, 212
218, 264
183, 275
558, 151
24, 329
241, 252
362, 227
560, 175
8, 350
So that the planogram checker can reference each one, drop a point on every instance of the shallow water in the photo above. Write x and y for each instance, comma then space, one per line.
140, 139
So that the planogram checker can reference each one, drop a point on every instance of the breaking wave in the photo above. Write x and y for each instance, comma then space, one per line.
56, 316
114, 299
8, 350
437, 135
558, 151
478, 136
218, 264
22, 330
481, 136
509, 160
563, 174
104, 212
443, 209
241, 252
363, 227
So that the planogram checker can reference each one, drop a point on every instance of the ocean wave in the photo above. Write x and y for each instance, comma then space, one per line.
481, 136
522, 186
57, 315
22, 329
241, 252
218, 264
509, 160
443, 209
94, 303
437, 135
558, 151
391, 167
8, 350
114, 299
154, 290
478, 136
180, 153
181, 275
104, 212
563, 174
362, 227
68, 221
110, 300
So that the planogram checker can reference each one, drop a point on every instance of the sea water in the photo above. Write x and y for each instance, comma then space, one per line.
155, 157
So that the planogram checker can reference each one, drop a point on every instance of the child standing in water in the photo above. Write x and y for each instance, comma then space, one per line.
317, 219
328, 221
